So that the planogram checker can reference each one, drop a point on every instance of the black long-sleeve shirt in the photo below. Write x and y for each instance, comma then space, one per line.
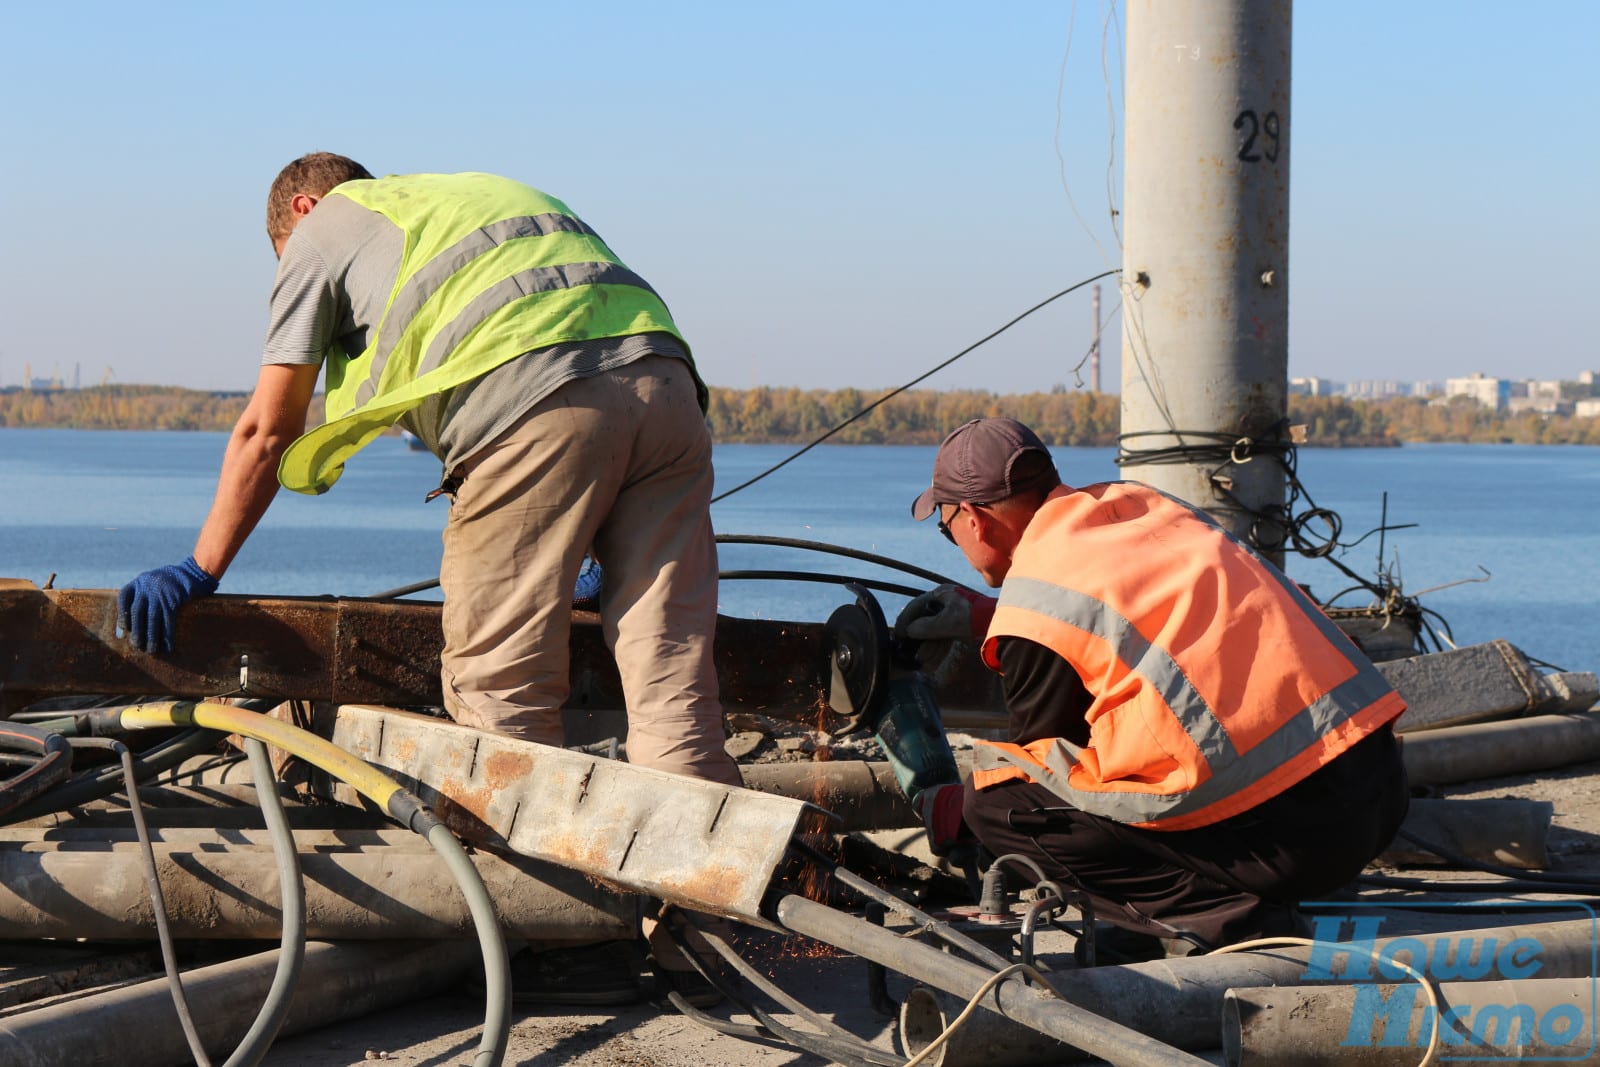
1044, 695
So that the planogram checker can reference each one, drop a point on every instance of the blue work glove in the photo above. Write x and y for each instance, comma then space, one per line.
147, 607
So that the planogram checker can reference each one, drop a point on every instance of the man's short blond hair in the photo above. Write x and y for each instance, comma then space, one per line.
313, 174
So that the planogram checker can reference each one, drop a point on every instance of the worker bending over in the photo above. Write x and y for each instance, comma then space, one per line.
489, 320
1193, 744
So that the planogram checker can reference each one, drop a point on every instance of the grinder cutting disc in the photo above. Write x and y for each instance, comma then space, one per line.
858, 645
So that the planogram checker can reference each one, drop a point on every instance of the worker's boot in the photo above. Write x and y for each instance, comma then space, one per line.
674, 972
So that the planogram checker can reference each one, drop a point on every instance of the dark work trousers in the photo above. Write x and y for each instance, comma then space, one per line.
1227, 882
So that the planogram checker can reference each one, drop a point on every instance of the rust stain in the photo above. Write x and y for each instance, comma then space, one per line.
504, 769
475, 800
714, 885
586, 853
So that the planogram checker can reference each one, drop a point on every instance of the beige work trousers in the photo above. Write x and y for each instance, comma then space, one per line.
618, 463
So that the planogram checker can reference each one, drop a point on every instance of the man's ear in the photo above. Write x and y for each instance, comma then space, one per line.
300, 204
996, 529
984, 524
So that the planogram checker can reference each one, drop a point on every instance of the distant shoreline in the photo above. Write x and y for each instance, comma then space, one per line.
793, 416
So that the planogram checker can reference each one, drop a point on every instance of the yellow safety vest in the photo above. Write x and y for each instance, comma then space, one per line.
492, 269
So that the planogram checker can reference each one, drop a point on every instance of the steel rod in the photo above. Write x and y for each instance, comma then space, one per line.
1013, 998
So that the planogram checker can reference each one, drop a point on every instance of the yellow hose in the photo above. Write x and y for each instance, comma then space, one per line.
357, 773
401, 804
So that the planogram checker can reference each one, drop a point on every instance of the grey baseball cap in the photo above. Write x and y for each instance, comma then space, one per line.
975, 462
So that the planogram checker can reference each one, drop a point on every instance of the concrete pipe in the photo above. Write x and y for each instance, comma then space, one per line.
1390, 1025
223, 888
1509, 831
137, 1026
1493, 749
1179, 1001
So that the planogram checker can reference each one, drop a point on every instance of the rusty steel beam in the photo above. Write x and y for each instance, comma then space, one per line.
61, 642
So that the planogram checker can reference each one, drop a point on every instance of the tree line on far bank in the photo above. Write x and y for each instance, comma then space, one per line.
767, 415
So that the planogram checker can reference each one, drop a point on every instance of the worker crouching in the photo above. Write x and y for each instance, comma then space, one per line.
1192, 743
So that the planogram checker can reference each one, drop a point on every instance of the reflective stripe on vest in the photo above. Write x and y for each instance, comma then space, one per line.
492, 269
1125, 669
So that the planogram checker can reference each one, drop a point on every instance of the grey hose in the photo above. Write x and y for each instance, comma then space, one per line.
158, 903
496, 961
292, 892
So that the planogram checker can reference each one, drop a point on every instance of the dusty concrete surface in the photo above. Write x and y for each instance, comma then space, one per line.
446, 1030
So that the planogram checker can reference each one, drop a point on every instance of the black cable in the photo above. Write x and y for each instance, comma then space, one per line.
836, 550
816, 576
849, 1051
100, 782
1485, 907
1467, 863
158, 902
1289, 530
1510, 886
406, 590
922, 377
51, 764
802, 576
942, 930
771, 989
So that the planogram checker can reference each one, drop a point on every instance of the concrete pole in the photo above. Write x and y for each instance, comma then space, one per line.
137, 1026
1094, 347
1549, 1019
1206, 247
1181, 1001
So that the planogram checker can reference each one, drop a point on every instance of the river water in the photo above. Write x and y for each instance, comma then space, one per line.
95, 508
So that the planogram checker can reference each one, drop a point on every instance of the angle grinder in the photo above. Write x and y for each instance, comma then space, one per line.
861, 651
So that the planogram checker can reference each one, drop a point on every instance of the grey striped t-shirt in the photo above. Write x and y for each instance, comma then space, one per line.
334, 280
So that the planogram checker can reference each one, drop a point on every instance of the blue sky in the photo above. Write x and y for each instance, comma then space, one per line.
827, 194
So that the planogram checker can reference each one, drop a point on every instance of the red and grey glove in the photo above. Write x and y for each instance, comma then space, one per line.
938, 620
945, 613
940, 808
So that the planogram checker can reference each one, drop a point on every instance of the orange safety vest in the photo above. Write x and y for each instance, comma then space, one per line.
1216, 682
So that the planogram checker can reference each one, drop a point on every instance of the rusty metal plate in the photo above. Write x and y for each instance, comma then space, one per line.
700, 844
62, 642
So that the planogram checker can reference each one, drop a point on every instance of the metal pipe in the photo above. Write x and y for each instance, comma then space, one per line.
136, 1026
984, 1040
1390, 1025
1206, 246
212, 890
1491, 749
1066, 1021
863, 793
